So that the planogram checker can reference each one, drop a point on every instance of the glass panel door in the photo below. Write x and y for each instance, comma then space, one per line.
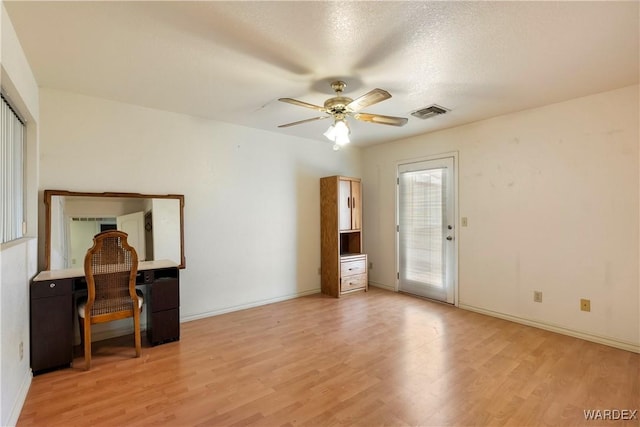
426, 231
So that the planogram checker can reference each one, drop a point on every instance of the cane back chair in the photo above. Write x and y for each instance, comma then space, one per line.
110, 267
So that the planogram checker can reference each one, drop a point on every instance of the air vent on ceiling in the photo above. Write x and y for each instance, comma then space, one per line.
430, 111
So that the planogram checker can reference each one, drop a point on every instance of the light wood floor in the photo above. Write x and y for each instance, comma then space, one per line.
371, 359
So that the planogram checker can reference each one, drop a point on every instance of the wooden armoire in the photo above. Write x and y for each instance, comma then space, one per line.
343, 265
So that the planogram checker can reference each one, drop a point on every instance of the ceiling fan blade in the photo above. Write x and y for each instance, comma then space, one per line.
303, 121
302, 104
369, 98
383, 120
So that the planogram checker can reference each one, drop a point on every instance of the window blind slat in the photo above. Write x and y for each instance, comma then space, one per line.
12, 135
422, 221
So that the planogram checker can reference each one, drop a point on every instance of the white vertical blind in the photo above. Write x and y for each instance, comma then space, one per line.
12, 132
422, 221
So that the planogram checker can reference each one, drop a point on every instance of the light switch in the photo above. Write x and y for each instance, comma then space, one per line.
464, 221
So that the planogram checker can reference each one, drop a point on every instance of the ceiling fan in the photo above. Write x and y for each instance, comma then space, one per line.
340, 107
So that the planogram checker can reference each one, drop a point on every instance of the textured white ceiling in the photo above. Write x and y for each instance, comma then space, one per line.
230, 61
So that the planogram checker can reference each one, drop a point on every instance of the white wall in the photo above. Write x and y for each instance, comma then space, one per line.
551, 195
18, 259
251, 197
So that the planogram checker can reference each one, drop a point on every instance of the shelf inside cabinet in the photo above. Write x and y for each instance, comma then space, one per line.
350, 243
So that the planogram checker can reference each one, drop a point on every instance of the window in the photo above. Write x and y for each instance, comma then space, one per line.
12, 168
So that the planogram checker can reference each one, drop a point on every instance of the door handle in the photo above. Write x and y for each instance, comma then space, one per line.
449, 237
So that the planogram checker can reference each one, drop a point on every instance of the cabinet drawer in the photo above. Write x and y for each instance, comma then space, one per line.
357, 281
356, 266
165, 294
164, 326
51, 288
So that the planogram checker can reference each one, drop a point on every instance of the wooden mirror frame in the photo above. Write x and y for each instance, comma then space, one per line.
48, 194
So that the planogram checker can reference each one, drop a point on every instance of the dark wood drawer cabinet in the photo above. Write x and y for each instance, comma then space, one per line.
163, 316
51, 306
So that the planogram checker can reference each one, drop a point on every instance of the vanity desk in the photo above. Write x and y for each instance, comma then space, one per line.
53, 301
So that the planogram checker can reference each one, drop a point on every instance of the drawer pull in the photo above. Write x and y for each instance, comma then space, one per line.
52, 285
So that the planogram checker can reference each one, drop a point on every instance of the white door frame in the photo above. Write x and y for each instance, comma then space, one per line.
454, 268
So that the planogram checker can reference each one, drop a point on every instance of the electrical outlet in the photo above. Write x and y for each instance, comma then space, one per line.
21, 349
537, 296
585, 304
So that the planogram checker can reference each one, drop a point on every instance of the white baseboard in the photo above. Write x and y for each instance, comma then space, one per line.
191, 317
611, 342
382, 286
20, 399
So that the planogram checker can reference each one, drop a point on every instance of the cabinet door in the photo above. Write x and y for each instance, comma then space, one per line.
165, 327
51, 332
165, 294
349, 205
356, 205
344, 204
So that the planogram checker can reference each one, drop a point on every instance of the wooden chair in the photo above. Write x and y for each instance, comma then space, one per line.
110, 267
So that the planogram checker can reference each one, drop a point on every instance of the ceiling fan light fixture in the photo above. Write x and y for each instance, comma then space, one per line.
342, 139
338, 132
331, 133
340, 107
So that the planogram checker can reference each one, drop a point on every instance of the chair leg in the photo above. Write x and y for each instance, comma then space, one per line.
136, 332
81, 325
87, 343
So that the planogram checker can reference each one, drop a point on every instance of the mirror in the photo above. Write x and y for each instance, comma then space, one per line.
155, 224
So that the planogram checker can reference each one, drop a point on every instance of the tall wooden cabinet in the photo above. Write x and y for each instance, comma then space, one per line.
343, 265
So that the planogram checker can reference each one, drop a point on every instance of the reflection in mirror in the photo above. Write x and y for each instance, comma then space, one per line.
154, 225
